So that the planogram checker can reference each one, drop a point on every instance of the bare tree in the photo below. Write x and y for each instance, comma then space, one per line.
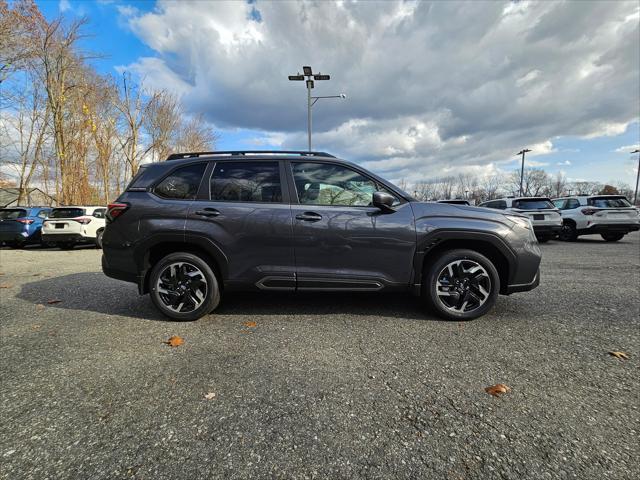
196, 135
25, 130
162, 121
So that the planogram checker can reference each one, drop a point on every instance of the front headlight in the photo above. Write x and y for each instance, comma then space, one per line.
524, 222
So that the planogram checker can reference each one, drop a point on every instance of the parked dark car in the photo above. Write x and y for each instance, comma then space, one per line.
200, 224
20, 226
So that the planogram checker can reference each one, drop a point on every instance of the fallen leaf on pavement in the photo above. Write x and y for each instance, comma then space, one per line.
54, 301
497, 389
619, 355
39, 306
36, 327
250, 324
210, 395
5, 285
175, 341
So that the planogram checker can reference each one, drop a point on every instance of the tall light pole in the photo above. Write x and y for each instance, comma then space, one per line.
522, 152
635, 195
311, 100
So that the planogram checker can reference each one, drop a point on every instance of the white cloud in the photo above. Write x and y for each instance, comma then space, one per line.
566, 162
430, 85
64, 5
627, 149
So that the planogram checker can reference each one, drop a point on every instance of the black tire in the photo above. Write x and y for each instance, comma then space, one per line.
543, 239
16, 245
568, 232
436, 303
99, 238
66, 246
211, 296
612, 237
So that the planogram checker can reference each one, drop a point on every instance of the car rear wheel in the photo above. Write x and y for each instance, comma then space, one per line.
184, 287
99, 238
568, 232
612, 237
461, 285
543, 239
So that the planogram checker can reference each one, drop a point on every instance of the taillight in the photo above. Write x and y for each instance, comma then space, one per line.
26, 221
588, 211
114, 210
82, 220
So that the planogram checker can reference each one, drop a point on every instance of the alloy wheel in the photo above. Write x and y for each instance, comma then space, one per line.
463, 286
182, 287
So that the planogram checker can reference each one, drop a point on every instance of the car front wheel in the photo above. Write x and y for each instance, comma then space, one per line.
184, 287
461, 285
568, 233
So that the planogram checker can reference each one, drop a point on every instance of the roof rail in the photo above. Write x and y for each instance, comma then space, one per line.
302, 153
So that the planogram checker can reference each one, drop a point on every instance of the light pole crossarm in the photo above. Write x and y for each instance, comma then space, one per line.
315, 99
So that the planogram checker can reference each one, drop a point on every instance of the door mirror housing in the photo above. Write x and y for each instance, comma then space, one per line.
383, 201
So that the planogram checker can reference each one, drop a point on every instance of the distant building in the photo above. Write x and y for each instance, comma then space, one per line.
32, 197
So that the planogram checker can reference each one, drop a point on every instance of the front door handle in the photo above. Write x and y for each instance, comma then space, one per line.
208, 212
309, 216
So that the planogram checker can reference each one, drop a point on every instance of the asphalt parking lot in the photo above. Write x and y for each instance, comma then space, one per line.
320, 386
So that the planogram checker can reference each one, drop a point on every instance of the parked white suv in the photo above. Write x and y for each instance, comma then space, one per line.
612, 216
68, 226
544, 216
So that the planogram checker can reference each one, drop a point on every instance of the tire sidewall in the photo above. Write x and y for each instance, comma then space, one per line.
430, 278
99, 238
212, 298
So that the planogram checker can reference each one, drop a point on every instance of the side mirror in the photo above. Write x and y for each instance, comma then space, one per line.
383, 201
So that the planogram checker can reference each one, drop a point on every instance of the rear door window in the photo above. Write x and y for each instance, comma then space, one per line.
182, 183
246, 182
608, 202
66, 212
533, 204
571, 204
99, 212
12, 214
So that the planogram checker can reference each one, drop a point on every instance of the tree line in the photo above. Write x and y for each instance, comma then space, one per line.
535, 183
75, 133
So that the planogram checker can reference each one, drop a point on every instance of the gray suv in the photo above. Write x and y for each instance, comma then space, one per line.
200, 224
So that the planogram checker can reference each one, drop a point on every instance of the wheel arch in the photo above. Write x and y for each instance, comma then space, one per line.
489, 245
209, 253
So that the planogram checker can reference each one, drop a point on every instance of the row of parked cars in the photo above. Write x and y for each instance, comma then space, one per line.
62, 227
611, 216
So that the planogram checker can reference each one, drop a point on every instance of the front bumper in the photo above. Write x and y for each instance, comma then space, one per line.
66, 238
524, 287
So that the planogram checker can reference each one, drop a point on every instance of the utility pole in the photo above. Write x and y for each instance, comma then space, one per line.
311, 100
635, 195
522, 152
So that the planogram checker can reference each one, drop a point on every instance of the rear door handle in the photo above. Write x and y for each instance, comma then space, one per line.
309, 216
208, 212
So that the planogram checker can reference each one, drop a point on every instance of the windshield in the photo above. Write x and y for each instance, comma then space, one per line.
609, 202
66, 213
532, 204
12, 214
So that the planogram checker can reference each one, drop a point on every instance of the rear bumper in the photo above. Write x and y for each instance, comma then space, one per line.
13, 237
524, 287
119, 274
610, 228
66, 238
547, 230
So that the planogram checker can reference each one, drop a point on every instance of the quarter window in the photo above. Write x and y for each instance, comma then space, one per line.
571, 204
183, 183
329, 184
246, 182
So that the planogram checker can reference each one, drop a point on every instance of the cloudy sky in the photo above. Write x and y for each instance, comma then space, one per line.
433, 88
